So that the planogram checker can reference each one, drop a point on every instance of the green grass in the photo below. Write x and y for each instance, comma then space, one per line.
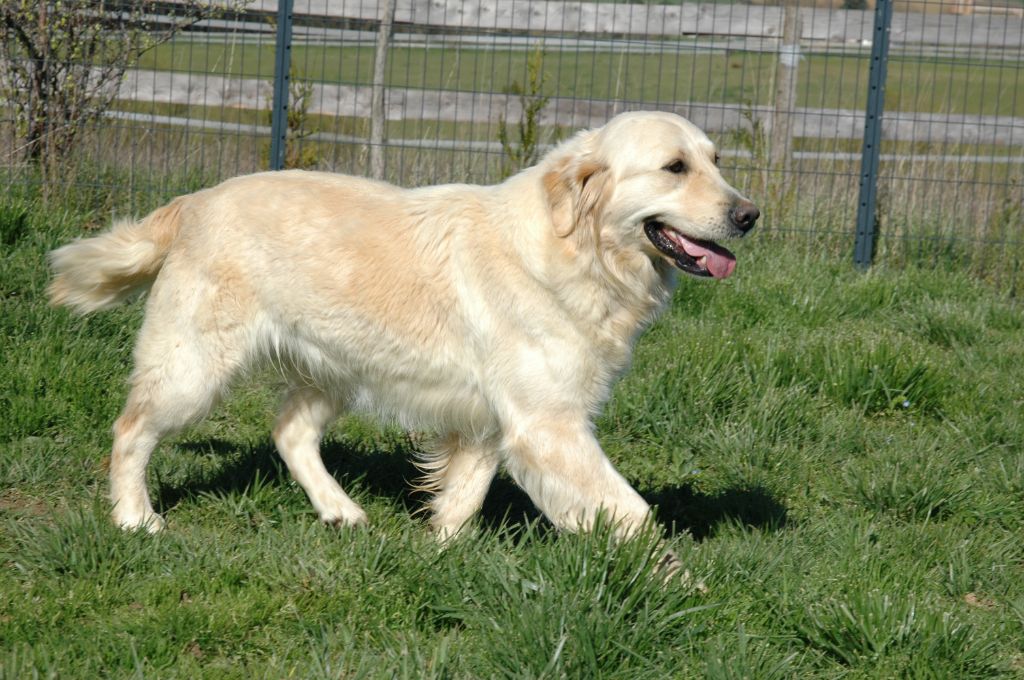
837, 456
829, 80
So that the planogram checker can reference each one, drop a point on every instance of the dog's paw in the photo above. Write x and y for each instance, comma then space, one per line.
150, 521
446, 534
670, 570
691, 582
350, 517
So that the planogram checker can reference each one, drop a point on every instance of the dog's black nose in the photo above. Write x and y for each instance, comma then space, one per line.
744, 215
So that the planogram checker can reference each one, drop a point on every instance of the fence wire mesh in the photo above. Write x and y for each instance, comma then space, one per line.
472, 91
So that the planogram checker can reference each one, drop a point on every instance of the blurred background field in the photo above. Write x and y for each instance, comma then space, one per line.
782, 89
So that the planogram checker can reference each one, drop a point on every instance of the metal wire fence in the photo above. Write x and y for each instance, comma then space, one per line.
447, 91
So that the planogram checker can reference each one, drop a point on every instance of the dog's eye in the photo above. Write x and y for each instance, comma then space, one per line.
717, 158
676, 167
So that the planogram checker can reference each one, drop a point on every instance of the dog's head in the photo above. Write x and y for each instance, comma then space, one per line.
649, 182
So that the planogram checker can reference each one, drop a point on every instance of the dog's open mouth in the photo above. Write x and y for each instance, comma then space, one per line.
699, 258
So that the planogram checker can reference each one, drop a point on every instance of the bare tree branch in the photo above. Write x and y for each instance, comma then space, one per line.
61, 62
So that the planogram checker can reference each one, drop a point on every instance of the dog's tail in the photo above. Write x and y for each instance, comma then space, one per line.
99, 272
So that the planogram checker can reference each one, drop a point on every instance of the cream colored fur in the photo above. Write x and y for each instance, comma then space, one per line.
496, 316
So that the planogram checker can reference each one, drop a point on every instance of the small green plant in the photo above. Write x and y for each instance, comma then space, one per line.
298, 152
883, 628
523, 151
864, 625
916, 488
772, 187
742, 656
994, 235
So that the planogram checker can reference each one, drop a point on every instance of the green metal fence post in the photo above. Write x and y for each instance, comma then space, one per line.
867, 225
282, 67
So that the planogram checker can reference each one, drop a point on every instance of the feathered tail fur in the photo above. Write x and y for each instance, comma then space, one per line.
99, 272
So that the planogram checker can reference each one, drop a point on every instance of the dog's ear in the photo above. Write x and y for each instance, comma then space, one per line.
575, 187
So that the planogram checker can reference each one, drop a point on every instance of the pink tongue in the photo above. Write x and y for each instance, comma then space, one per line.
720, 262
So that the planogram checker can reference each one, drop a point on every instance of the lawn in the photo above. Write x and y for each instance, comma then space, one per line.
681, 72
838, 457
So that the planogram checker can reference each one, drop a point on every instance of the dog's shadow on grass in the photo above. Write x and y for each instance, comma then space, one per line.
238, 467
686, 509
387, 474
391, 475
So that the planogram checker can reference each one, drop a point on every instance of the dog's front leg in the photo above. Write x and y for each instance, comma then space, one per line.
560, 465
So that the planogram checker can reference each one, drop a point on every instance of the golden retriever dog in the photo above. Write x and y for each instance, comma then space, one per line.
497, 317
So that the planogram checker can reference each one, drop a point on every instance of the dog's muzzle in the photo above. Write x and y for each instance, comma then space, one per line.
693, 256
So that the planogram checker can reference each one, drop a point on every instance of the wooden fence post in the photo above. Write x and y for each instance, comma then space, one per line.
785, 89
377, 117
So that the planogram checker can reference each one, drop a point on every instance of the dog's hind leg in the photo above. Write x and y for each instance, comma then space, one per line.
306, 413
180, 373
459, 473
